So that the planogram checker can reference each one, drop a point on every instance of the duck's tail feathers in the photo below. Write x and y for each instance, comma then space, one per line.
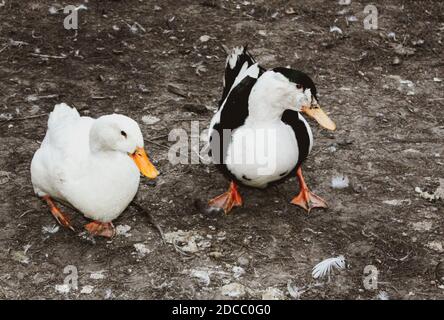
237, 61
61, 113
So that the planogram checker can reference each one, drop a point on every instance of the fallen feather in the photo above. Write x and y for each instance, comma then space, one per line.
293, 291
335, 29
50, 229
382, 295
324, 268
339, 182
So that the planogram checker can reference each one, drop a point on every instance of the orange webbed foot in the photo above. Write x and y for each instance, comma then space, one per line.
61, 218
306, 199
103, 229
228, 200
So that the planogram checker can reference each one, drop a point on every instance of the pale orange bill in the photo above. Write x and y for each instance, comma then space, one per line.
320, 116
144, 164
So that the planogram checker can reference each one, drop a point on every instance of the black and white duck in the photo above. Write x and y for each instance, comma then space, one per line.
258, 135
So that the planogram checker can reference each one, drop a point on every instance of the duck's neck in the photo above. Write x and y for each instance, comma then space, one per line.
263, 109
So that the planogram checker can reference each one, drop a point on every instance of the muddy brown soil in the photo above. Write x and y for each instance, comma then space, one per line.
382, 87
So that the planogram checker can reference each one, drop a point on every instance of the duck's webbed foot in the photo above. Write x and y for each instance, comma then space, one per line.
228, 200
305, 198
103, 229
61, 218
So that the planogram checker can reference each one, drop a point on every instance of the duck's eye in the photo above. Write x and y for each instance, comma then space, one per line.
299, 86
123, 133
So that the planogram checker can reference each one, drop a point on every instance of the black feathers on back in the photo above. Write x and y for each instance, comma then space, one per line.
231, 74
232, 116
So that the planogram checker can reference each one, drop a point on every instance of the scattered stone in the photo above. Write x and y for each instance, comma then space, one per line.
185, 241
238, 272
204, 38
422, 225
216, 254
87, 289
202, 275
396, 61
398, 202
243, 261
63, 288
439, 271
122, 230
177, 91
150, 120
233, 290
98, 275
141, 250
5, 177
402, 50
437, 195
273, 294
195, 108
436, 246
290, 11
143, 88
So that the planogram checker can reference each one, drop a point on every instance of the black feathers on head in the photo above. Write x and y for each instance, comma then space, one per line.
298, 77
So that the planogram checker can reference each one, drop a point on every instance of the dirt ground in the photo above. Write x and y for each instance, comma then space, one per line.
146, 59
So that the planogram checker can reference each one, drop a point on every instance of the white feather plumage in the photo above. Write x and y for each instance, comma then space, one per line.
325, 267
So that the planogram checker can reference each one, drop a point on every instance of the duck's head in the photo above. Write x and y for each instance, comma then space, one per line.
119, 133
290, 89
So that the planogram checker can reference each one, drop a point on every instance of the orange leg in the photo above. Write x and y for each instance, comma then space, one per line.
58, 215
104, 229
227, 200
305, 198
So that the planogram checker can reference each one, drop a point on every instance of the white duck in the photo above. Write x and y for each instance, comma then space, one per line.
91, 164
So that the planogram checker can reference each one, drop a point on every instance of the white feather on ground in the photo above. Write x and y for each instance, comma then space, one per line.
340, 182
325, 267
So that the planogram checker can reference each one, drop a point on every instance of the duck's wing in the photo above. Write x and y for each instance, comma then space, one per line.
238, 61
68, 132
232, 112
65, 145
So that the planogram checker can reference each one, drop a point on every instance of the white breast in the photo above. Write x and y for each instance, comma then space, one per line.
262, 154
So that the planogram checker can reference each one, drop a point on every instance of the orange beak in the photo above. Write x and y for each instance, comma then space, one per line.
144, 164
319, 115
